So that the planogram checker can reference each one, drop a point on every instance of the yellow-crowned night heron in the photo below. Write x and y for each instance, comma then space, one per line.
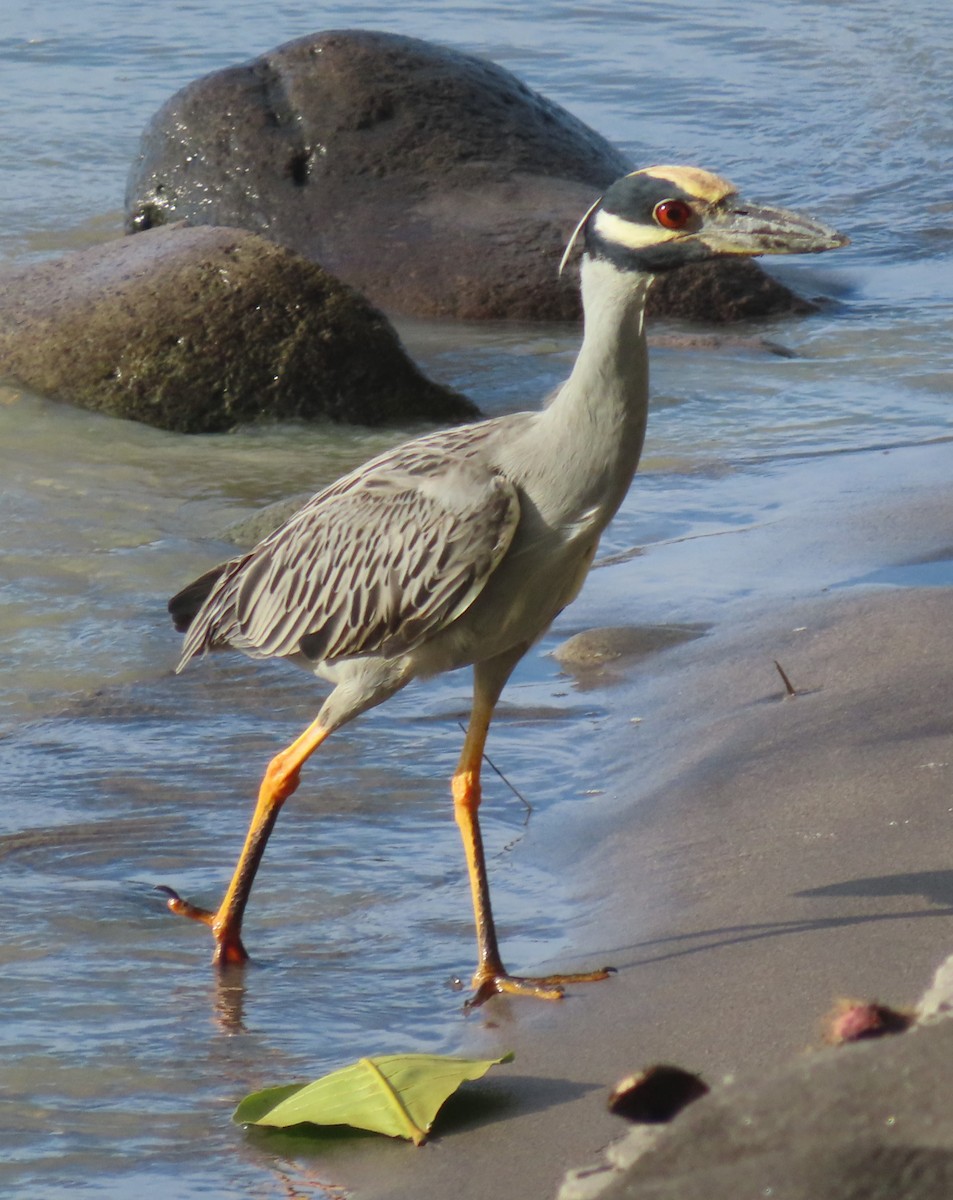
461, 547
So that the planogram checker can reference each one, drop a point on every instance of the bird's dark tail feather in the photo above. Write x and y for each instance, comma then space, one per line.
185, 604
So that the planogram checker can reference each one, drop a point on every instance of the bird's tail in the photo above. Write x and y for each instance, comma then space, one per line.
185, 605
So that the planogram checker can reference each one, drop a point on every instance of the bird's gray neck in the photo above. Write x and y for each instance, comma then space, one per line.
596, 422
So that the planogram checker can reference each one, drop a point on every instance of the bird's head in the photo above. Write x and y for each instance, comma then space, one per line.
663, 217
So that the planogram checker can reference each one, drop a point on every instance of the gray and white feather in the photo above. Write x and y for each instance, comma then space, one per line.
371, 565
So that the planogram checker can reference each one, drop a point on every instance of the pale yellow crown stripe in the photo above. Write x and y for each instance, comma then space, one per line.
693, 181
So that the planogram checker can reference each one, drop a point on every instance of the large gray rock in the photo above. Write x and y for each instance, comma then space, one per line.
872, 1120
198, 330
436, 182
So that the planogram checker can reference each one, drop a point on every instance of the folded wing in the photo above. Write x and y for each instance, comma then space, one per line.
375, 564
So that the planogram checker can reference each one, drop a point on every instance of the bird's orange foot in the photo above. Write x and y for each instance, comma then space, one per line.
229, 950
544, 987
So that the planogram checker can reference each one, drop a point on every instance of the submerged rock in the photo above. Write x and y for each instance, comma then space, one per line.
436, 182
251, 530
593, 648
199, 330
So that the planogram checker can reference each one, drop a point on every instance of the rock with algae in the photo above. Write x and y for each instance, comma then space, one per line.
199, 330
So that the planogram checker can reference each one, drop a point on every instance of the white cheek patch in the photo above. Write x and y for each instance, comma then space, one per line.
617, 231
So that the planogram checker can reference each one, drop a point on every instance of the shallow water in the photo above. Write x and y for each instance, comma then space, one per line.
122, 1055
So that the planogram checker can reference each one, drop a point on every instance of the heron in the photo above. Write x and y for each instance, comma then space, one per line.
460, 547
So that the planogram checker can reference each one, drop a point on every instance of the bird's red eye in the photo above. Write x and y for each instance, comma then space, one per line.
673, 214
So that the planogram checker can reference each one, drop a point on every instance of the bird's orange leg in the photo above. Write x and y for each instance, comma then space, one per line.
491, 976
280, 781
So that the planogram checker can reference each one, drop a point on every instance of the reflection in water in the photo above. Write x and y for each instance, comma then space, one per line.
229, 1006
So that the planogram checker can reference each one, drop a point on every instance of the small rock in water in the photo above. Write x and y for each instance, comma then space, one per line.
594, 647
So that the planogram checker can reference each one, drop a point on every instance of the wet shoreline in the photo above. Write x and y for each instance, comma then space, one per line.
754, 859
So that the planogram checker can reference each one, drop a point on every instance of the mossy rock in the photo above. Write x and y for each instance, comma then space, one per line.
199, 330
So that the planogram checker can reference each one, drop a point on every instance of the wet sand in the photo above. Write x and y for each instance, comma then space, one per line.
757, 855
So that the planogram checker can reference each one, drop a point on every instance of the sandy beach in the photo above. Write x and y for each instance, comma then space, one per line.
757, 857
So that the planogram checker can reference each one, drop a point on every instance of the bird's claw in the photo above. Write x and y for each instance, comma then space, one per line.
544, 987
184, 908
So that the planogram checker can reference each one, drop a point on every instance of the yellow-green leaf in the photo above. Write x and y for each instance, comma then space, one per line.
395, 1094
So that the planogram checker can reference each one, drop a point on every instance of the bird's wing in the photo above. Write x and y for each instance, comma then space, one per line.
372, 565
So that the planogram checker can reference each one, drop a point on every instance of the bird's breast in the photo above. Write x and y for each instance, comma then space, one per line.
517, 605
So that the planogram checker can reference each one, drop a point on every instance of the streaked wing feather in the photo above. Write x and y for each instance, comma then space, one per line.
374, 564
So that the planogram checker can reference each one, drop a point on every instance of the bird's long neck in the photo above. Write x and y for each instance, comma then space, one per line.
596, 423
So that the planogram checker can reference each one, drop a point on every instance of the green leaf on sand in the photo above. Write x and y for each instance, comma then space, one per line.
395, 1094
